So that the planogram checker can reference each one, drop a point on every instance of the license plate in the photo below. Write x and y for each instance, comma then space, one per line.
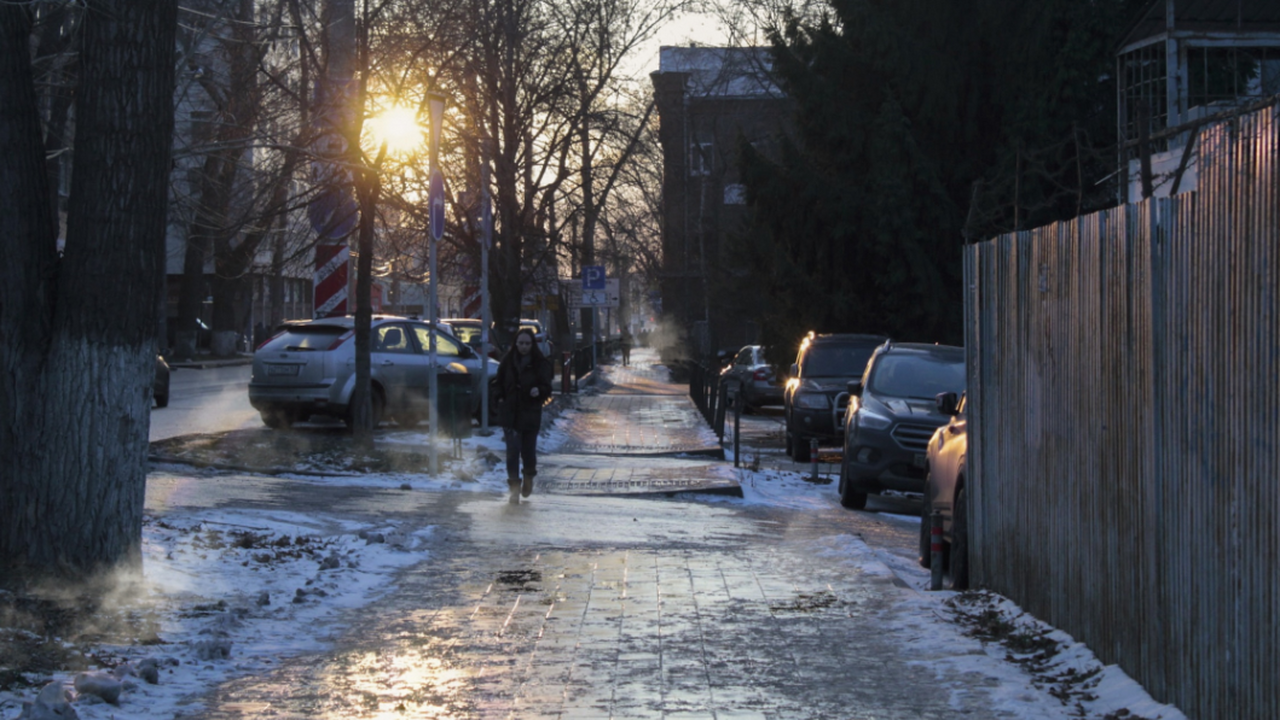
282, 370
918, 460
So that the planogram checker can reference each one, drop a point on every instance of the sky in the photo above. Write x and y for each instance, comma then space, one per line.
192, 561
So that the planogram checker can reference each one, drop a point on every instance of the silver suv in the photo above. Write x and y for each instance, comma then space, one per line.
309, 368
891, 414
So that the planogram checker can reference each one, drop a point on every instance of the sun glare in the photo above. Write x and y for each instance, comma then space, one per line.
398, 127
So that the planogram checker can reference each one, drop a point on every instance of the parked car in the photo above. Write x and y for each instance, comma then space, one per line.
308, 368
539, 335
821, 372
468, 330
751, 378
891, 414
160, 385
944, 491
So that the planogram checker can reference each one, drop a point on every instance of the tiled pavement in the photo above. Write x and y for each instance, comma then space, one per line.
636, 435
585, 603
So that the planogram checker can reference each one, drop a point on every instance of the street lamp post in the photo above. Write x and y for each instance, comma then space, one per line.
435, 104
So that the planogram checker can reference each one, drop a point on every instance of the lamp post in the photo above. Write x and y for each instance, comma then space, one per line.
435, 104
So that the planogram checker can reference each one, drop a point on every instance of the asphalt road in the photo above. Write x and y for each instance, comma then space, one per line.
207, 400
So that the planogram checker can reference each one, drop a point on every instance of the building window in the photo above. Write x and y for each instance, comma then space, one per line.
700, 159
735, 194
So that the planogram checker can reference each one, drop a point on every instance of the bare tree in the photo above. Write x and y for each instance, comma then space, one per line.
79, 355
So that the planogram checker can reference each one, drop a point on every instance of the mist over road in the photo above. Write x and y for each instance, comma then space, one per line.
205, 401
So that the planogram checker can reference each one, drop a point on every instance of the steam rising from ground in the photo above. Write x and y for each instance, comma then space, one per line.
669, 339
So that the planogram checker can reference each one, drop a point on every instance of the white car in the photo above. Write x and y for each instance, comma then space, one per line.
309, 368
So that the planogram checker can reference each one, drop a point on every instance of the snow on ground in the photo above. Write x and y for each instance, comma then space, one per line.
282, 581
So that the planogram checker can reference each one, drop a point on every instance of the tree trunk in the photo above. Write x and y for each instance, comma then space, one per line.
79, 356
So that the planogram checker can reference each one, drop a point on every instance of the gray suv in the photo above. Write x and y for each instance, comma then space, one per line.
308, 368
891, 414
823, 367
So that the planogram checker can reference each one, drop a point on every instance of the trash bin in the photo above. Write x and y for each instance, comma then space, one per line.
455, 403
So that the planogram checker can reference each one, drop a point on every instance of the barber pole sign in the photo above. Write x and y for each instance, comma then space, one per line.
332, 262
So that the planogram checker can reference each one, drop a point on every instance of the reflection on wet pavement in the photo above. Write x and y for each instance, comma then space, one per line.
547, 610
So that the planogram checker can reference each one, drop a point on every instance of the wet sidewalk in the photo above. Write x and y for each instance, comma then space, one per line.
635, 433
598, 597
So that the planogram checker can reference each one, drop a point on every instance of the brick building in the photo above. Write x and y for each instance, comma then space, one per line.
709, 100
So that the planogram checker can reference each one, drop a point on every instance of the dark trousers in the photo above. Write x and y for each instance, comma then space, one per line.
521, 444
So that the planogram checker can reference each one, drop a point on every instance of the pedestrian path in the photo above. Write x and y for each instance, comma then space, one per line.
639, 433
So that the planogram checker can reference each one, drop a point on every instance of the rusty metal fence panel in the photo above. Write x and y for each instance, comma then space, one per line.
1124, 380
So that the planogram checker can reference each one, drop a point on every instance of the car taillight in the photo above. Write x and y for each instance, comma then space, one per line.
341, 339
761, 374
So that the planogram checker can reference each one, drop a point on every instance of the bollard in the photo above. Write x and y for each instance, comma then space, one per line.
737, 421
813, 457
566, 374
935, 550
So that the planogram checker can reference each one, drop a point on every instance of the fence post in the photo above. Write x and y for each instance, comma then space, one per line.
566, 371
813, 457
935, 550
737, 421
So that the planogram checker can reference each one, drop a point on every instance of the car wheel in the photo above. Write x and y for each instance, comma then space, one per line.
926, 528
850, 497
800, 450
377, 408
162, 398
960, 542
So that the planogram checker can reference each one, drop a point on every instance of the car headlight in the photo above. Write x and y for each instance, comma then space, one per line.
872, 421
813, 401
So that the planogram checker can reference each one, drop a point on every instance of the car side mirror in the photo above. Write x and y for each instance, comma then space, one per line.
467, 352
795, 370
854, 387
947, 402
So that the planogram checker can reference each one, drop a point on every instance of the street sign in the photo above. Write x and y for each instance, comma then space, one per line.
593, 277
435, 200
608, 297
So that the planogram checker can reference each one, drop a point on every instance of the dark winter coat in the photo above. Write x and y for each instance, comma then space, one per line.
517, 376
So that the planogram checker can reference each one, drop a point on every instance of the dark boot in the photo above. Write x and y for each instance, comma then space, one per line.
513, 485
526, 488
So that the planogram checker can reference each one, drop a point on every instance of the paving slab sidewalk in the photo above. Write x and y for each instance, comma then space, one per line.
636, 433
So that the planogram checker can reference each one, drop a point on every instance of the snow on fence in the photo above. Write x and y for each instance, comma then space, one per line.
1124, 397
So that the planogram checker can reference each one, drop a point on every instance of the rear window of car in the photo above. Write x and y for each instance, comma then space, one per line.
837, 360
306, 337
916, 376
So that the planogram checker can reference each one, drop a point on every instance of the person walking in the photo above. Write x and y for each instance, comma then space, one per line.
626, 343
524, 386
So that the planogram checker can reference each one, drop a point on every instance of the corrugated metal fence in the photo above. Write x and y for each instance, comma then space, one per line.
1124, 379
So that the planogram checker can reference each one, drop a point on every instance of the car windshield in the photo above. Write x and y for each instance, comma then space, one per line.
307, 337
836, 360
467, 334
916, 376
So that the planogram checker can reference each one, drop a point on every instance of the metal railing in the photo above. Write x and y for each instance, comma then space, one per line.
707, 394
1124, 386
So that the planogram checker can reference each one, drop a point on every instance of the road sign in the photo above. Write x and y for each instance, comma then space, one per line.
608, 297
593, 277
435, 200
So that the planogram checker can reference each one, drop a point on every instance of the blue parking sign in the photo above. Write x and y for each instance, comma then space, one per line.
593, 277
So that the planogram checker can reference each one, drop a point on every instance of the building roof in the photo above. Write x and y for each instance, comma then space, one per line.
1205, 17
722, 72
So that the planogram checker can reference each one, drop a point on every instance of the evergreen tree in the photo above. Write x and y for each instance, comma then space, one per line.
900, 106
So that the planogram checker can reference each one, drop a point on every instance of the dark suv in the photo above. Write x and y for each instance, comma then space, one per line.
891, 414
823, 367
